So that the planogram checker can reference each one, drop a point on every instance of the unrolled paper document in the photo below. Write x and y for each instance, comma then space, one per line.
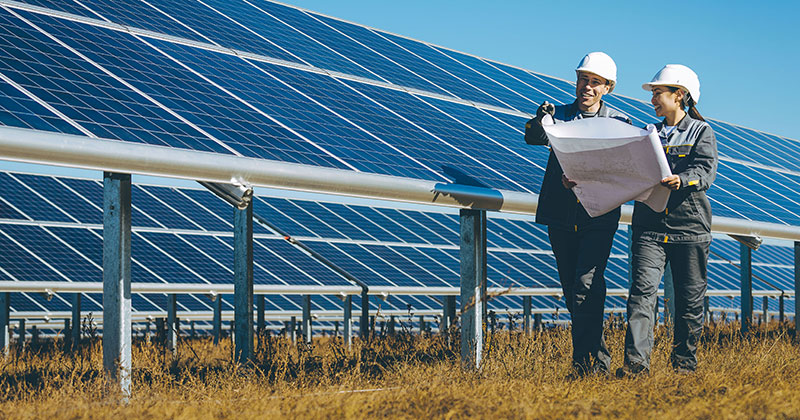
612, 162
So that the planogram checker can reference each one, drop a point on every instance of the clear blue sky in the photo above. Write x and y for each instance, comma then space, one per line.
746, 52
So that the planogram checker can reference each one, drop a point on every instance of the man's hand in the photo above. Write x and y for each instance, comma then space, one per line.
672, 182
544, 109
567, 183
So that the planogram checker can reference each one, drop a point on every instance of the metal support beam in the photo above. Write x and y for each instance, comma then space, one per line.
363, 323
796, 284
526, 314
79, 151
76, 321
172, 323
706, 313
307, 319
473, 285
5, 317
422, 326
117, 279
217, 321
391, 325
765, 308
781, 314
348, 321
746, 278
21, 334
449, 313
243, 282
260, 322
537, 322
669, 295
293, 329
67, 335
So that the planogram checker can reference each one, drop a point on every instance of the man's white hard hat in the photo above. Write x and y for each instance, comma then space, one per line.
601, 64
676, 75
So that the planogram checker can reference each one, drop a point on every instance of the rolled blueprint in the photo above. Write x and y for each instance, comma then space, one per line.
612, 162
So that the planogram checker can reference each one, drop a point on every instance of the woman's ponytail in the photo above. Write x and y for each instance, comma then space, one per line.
692, 109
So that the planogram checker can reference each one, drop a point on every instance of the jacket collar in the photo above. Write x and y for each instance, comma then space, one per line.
573, 109
683, 124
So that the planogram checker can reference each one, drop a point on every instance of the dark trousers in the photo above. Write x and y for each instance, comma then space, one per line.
689, 278
581, 257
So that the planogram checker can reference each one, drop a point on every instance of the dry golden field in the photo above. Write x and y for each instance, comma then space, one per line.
757, 376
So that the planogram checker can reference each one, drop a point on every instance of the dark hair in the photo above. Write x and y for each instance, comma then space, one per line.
688, 102
692, 108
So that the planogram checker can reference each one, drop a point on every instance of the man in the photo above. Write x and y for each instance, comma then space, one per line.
580, 243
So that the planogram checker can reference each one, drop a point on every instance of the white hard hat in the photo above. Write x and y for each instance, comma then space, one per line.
600, 64
676, 75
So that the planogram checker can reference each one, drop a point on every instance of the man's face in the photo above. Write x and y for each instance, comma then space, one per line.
589, 89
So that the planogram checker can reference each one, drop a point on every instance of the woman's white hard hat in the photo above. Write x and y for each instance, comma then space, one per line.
601, 64
676, 75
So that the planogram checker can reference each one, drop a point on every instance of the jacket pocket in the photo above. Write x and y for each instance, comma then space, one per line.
700, 210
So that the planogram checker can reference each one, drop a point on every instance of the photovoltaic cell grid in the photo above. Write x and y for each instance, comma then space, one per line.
380, 246
136, 88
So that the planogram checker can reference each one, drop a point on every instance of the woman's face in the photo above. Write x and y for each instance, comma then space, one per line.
665, 100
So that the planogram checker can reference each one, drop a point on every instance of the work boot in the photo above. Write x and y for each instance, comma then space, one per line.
633, 371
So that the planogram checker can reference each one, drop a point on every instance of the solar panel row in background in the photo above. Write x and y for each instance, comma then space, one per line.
111, 83
50, 227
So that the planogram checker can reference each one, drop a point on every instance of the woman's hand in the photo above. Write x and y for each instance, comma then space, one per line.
567, 183
672, 182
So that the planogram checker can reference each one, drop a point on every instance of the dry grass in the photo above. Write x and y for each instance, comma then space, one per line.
756, 376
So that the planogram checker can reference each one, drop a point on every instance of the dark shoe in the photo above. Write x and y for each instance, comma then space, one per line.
633, 371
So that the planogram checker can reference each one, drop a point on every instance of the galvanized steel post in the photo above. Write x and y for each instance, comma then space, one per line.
5, 318
765, 308
217, 321
117, 279
422, 326
363, 323
781, 315
260, 323
526, 314
706, 313
293, 329
172, 321
307, 318
537, 322
796, 284
746, 275
21, 334
243, 282
348, 321
473, 285
76, 321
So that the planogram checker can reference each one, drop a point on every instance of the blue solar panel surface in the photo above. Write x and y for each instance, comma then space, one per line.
77, 77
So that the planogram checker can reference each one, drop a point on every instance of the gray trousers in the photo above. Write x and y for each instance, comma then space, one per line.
688, 263
581, 258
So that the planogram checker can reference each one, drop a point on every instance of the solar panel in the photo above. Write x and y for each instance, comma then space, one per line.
150, 90
396, 106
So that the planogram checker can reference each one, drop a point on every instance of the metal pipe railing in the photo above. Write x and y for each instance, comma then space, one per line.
58, 149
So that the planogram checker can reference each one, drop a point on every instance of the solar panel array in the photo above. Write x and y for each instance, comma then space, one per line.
266, 80
50, 230
260, 79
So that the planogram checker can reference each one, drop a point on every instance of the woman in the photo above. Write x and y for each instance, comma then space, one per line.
681, 234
